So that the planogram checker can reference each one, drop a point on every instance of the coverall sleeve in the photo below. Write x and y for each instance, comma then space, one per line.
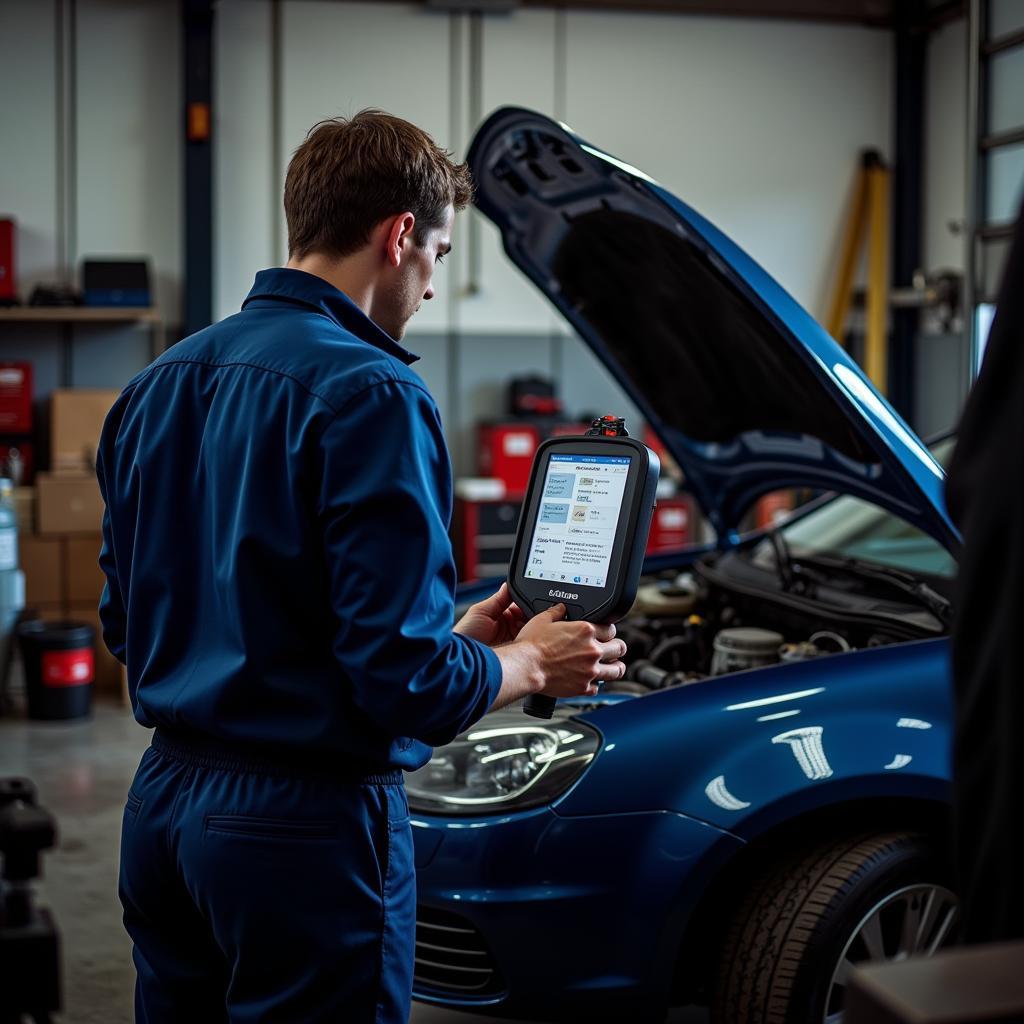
385, 506
113, 617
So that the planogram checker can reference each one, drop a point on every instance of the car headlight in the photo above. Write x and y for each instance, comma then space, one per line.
502, 763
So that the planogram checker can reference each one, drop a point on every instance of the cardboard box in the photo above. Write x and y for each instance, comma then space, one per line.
108, 668
68, 504
84, 578
41, 561
76, 421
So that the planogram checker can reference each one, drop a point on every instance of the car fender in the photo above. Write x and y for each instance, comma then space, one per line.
746, 751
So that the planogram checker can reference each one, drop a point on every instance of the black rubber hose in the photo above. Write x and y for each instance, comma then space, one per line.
670, 646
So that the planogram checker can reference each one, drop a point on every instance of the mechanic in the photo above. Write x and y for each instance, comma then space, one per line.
280, 586
985, 493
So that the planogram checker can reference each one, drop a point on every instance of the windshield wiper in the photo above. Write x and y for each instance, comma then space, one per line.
783, 559
939, 606
790, 568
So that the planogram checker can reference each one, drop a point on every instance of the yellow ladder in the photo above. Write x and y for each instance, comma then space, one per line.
869, 210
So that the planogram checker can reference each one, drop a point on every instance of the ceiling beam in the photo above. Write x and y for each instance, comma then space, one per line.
877, 13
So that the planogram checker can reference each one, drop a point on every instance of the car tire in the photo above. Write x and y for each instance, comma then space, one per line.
786, 956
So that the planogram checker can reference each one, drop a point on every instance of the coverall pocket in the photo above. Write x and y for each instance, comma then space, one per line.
398, 806
270, 828
132, 805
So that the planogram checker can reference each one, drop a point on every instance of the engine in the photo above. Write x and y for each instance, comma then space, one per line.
683, 629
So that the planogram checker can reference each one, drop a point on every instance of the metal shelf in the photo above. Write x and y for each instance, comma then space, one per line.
68, 316
79, 314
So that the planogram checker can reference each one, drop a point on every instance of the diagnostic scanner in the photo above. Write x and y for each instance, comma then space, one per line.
583, 531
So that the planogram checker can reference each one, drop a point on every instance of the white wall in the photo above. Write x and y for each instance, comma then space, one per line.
28, 137
945, 147
129, 119
520, 55
756, 123
122, 163
247, 192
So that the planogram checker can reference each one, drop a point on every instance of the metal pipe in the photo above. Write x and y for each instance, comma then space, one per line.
908, 189
66, 125
277, 241
476, 86
197, 85
972, 197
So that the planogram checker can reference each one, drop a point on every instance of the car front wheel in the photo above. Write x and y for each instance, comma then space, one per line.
788, 955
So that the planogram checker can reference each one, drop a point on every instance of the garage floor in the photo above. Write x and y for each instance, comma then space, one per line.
82, 770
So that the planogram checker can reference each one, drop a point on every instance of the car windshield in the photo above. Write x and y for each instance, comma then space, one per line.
848, 527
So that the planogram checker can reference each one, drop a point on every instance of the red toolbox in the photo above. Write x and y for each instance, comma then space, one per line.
483, 533
8, 295
672, 525
15, 398
505, 451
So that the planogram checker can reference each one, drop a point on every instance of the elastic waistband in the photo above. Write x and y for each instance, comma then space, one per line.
210, 752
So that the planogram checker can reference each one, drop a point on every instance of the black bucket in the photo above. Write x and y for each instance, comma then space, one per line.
59, 668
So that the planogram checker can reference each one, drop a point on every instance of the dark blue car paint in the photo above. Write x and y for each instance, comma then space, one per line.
857, 700
585, 903
542, 888
535, 899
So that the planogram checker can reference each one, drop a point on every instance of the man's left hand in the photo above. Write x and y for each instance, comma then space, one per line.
496, 620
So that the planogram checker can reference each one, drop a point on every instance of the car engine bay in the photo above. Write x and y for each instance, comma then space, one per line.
725, 614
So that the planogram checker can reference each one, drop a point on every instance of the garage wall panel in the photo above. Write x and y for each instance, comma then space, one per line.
246, 196
129, 139
941, 382
757, 124
339, 58
28, 170
28, 128
434, 368
945, 147
121, 164
518, 68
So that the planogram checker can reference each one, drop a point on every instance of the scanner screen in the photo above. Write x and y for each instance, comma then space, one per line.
577, 515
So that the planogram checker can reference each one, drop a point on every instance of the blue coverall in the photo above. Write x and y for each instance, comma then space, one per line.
280, 585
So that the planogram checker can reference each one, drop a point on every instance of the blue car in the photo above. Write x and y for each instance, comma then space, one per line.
762, 802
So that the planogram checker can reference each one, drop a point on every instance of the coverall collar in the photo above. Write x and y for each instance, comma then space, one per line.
310, 290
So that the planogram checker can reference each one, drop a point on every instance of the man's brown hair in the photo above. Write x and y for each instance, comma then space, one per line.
352, 173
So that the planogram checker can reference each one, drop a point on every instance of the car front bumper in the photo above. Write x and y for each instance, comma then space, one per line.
542, 916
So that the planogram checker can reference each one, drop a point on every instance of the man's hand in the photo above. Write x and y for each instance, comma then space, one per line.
559, 658
496, 620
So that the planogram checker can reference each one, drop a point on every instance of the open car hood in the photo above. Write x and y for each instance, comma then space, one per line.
743, 386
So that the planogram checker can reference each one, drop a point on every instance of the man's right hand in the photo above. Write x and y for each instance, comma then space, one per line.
558, 658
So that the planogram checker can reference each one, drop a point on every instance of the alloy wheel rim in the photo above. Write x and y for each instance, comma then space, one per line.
916, 920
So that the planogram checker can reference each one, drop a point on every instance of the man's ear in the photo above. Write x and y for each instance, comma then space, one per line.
399, 234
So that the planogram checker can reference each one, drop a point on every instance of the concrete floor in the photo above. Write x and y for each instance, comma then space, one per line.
82, 770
